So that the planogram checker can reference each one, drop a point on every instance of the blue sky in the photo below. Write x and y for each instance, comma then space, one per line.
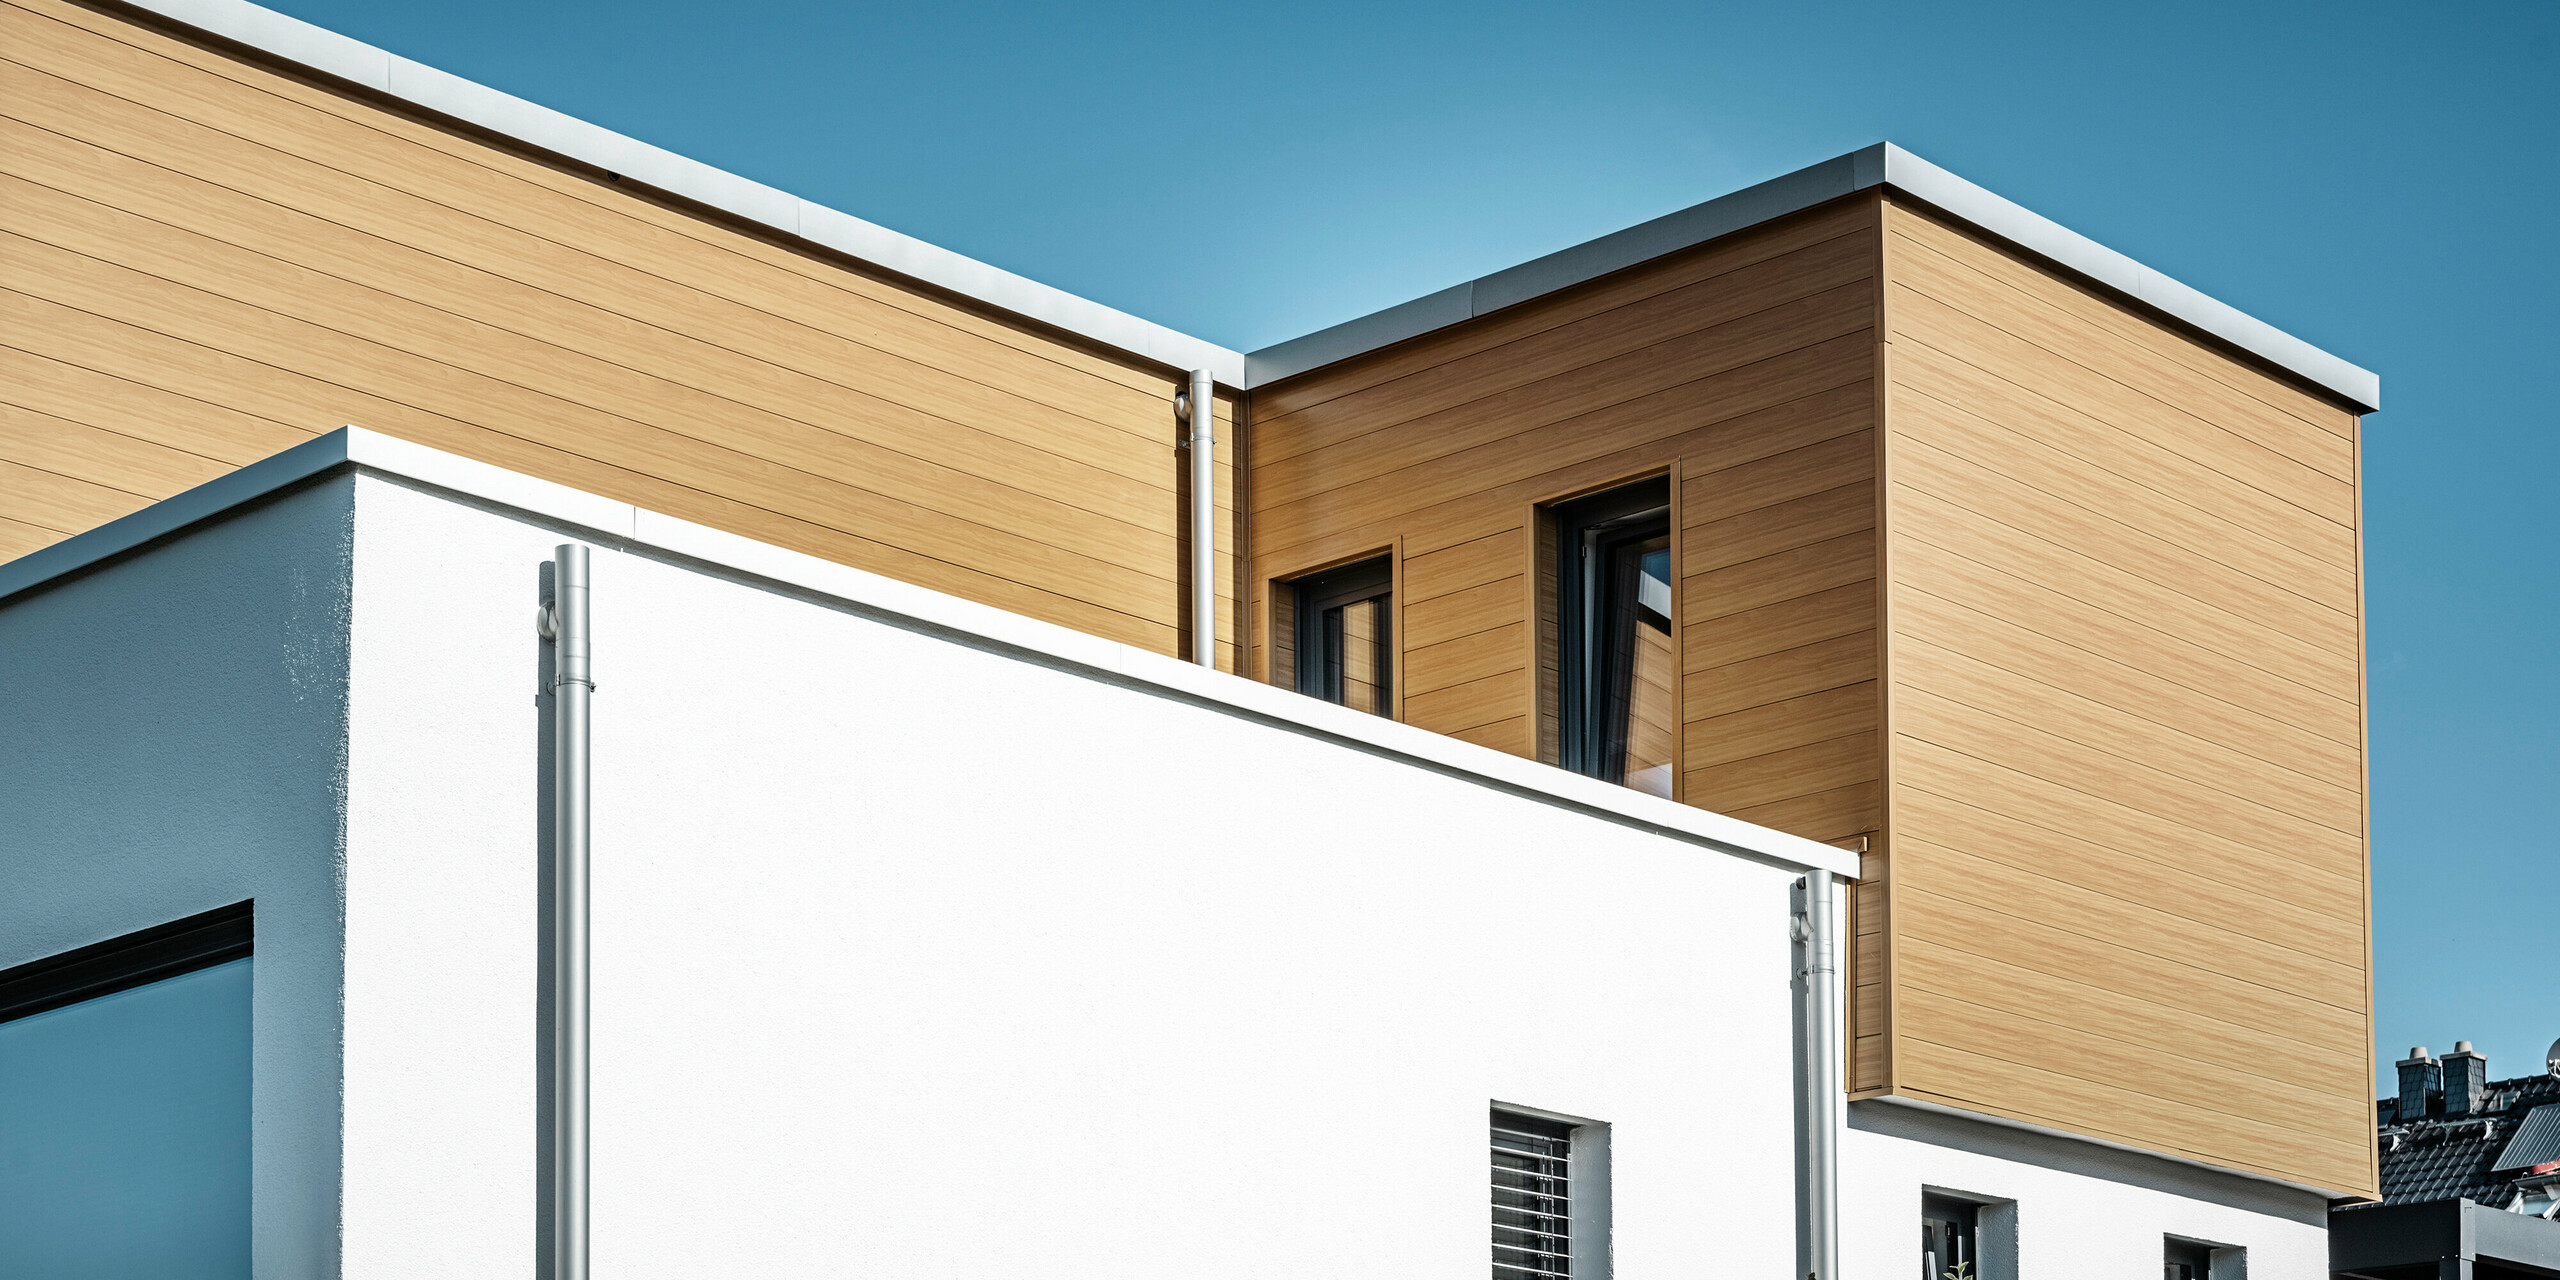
2375, 179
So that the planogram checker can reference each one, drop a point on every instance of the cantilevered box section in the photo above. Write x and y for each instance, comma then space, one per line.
2024, 571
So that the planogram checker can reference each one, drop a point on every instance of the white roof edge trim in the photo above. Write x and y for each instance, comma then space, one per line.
1883, 164
2029, 1126
629, 527
476, 104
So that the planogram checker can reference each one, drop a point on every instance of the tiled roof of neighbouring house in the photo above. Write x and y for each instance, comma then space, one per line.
2431, 1157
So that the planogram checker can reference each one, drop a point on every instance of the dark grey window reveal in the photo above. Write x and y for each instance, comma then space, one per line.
1947, 1235
2185, 1260
1345, 646
1532, 1197
1617, 679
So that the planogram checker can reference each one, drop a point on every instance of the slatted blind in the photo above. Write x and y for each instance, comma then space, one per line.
1532, 1197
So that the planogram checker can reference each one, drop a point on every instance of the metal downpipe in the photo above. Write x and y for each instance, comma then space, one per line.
1201, 407
572, 684
1817, 909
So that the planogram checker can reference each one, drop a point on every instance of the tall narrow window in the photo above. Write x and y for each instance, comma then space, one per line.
1342, 627
1948, 1230
124, 1106
1532, 1197
1617, 684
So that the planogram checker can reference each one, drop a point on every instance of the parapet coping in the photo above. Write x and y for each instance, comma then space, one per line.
1884, 164
622, 526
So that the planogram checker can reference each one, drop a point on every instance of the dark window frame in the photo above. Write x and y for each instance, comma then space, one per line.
1595, 668
1318, 624
137, 959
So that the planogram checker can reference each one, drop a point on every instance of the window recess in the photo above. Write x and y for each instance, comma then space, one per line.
1617, 678
1342, 625
1550, 1197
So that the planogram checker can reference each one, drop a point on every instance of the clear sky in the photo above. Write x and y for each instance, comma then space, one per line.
2379, 180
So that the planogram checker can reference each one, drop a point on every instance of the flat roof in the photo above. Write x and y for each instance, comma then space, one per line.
622, 526
1884, 164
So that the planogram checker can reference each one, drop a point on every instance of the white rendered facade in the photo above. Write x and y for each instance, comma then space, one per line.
929, 940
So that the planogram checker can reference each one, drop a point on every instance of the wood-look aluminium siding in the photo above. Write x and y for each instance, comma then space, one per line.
2122, 891
1743, 370
204, 260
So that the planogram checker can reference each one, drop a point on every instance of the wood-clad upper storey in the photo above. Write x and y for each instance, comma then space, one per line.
205, 260
1744, 371
2124, 874
2050, 605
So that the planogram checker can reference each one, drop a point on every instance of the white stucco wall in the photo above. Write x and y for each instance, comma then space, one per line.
2081, 1211
171, 725
918, 959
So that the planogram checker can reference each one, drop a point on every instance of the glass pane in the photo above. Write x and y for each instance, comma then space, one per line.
1364, 656
124, 1133
1653, 713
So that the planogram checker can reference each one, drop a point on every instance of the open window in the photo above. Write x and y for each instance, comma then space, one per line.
1341, 630
1617, 679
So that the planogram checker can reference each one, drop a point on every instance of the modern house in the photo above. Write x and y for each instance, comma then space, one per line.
2470, 1177
1057, 792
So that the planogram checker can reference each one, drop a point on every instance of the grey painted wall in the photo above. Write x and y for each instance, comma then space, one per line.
172, 738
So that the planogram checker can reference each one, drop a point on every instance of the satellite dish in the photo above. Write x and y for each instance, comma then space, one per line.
2551, 1060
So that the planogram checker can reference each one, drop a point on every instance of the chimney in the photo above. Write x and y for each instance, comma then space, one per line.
2420, 1076
2466, 1080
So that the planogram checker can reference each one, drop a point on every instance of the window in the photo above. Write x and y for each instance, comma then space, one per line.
1617, 688
1344, 650
2182, 1259
124, 1106
1550, 1197
1949, 1230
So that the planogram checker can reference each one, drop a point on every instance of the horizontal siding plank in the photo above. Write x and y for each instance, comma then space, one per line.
2131, 690
168, 362
2198, 991
1473, 657
1510, 735
109, 403
1781, 775
1723, 349
2267, 656
288, 341
2033, 993
59, 503
1798, 473
1785, 575
436, 164
1462, 613
1501, 554
99, 457
1753, 633
2248, 606
2127, 638
1513, 324
1777, 726
18, 538
1921, 318
1933, 717
2212, 893
1801, 391
1819, 517
394, 322
2128, 347
2137, 926
1637, 327
1962, 678
1924, 1069
1792, 673
1465, 706
2129, 831
2243, 520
